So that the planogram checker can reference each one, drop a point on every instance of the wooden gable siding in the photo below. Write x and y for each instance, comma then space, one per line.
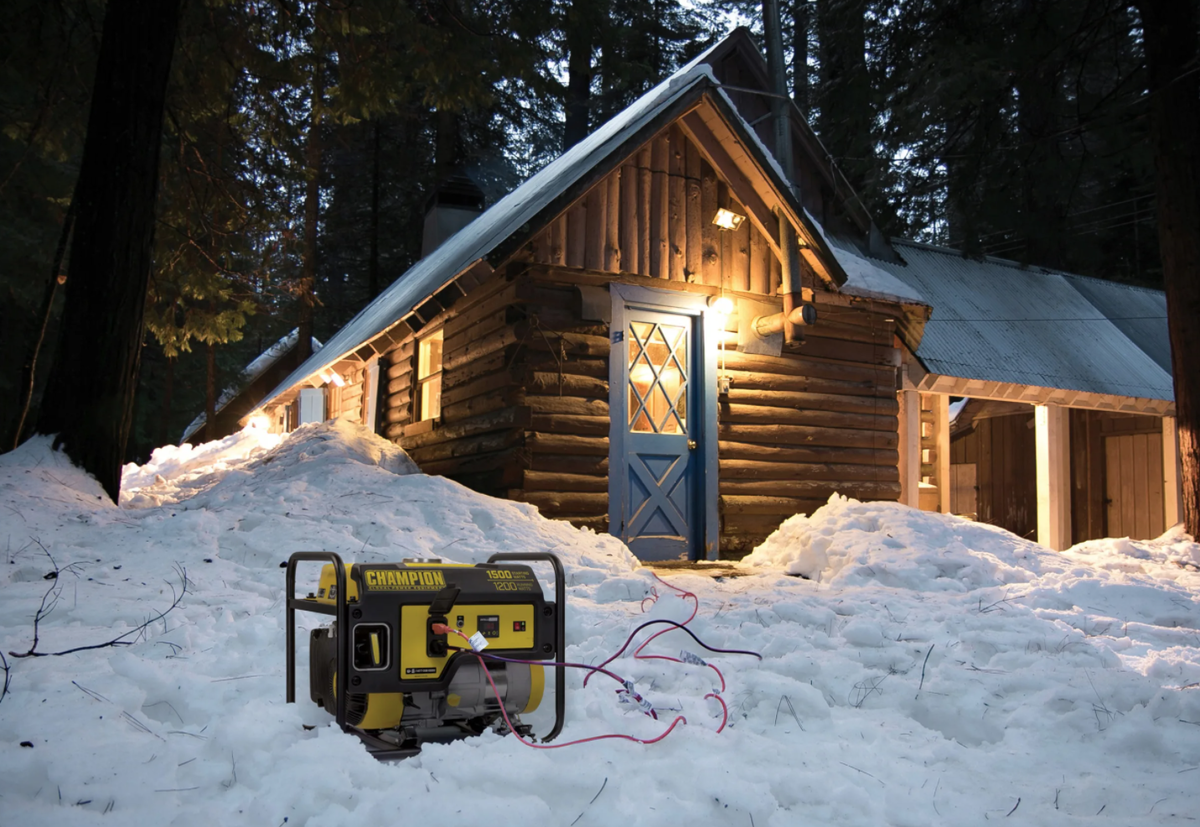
652, 216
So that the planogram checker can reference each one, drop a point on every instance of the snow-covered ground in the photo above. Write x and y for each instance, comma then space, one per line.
928, 671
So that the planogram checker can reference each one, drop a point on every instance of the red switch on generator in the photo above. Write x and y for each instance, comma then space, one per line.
518, 625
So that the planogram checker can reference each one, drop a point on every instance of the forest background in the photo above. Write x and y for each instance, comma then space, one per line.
301, 139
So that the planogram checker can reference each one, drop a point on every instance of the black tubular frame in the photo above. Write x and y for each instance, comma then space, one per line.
560, 629
340, 614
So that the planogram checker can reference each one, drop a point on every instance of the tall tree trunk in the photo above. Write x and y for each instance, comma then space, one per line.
373, 261
210, 392
1172, 55
580, 42
844, 95
800, 93
312, 207
164, 418
1044, 182
89, 399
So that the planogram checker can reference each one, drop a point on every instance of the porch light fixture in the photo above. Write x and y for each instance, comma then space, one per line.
260, 422
728, 219
333, 378
721, 305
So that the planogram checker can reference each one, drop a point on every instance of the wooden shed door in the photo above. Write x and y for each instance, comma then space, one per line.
660, 464
1133, 483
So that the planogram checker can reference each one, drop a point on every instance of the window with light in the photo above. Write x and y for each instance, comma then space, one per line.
429, 376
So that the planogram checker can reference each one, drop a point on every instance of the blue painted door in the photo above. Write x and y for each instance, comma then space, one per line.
660, 467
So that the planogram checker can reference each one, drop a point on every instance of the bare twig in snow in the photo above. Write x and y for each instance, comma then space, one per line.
923, 665
782, 700
137, 632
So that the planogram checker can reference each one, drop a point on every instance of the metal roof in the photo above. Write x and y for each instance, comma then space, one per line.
997, 321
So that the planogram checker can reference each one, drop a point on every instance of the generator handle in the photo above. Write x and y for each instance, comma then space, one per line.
340, 613
560, 628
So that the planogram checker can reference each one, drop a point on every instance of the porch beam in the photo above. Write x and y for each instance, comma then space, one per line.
941, 407
910, 447
1172, 493
1053, 476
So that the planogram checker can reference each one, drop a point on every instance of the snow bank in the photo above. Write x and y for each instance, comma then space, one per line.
931, 671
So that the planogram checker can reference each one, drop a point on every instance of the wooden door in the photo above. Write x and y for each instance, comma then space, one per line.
1133, 485
658, 469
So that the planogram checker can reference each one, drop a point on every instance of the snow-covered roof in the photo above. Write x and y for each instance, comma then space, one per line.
996, 321
502, 220
260, 365
865, 278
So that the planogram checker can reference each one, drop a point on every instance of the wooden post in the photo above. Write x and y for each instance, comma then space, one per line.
910, 448
1172, 492
1052, 441
942, 423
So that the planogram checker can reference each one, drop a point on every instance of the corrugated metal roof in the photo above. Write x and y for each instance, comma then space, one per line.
996, 321
1139, 313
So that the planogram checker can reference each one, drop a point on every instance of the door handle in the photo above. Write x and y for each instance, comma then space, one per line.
691, 445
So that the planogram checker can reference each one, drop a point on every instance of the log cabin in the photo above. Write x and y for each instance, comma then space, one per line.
663, 334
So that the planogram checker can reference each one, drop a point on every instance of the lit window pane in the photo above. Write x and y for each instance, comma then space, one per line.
429, 376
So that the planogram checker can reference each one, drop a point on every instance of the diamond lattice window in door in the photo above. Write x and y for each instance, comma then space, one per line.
658, 377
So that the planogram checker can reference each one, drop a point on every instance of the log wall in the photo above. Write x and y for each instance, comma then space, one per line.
796, 428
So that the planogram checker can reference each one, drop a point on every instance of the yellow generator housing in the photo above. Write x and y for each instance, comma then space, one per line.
409, 684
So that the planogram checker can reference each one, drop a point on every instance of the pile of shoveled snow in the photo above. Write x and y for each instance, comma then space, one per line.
928, 671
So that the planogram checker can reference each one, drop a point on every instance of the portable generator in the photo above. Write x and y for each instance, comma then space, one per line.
410, 684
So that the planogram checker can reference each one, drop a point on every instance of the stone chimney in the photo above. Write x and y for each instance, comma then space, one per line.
453, 205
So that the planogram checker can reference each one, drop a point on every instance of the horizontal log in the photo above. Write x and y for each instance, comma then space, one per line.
596, 466
755, 525
737, 546
746, 469
597, 524
823, 329
806, 435
494, 482
394, 431
573, 365
738, 504
396, 413
564, 384
399, 400
801, 365
814, 453
564, 502
876, 405
865, 354
569, 405
747, 380
487, 384
481, 404
474, 463
540, 442
500, 296
482, 444
402, 382
814, 489
555, 481
495, 340
516, 417
734, 413
571, 424
471, 371
399, 365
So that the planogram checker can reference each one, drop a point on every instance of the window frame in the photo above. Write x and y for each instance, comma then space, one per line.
421, 383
